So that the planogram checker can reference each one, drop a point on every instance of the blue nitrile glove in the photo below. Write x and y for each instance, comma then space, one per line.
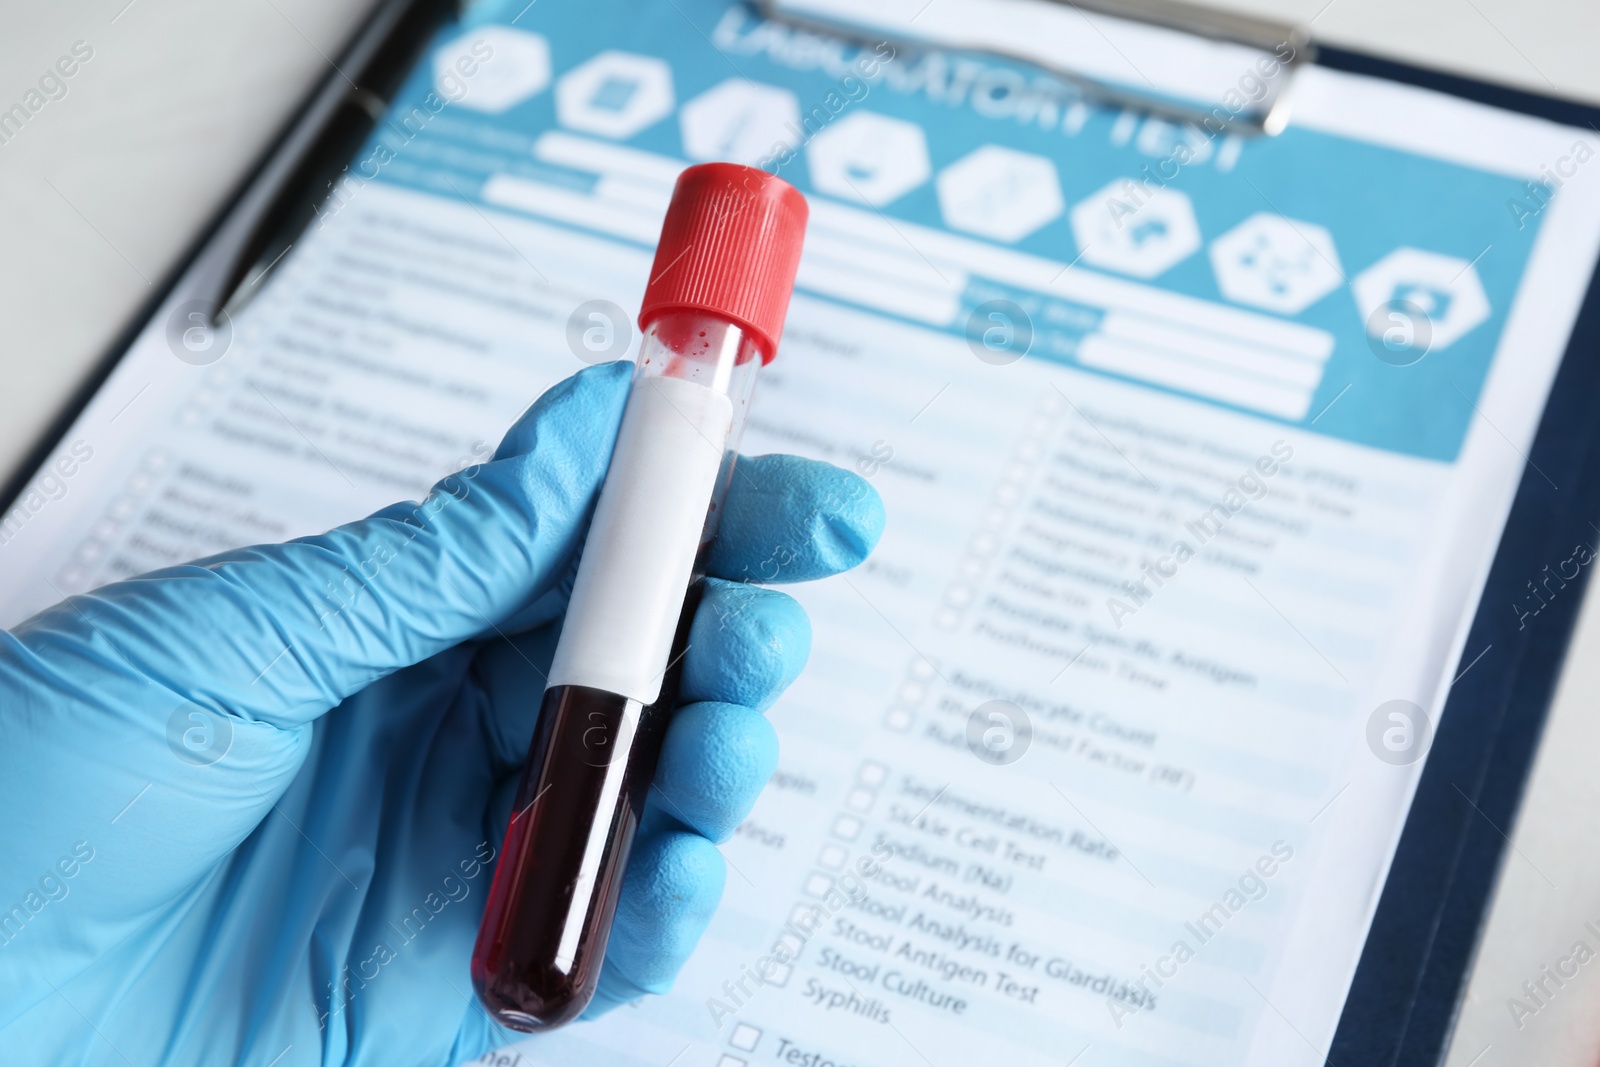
203, 864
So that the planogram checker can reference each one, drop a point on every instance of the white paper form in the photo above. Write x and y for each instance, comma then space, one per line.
1196, 768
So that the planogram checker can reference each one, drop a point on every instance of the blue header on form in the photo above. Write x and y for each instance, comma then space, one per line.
1346, 239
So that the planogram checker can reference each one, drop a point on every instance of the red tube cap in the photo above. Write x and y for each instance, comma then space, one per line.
730, 246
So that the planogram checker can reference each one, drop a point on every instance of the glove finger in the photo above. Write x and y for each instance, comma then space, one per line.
745, 646
715, 759
745, 643
788, 519
673, 885
281, 633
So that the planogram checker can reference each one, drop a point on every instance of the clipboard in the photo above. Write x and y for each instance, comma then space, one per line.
1407, 991
1413, 971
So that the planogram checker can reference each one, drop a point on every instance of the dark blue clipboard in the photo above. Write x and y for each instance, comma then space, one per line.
1418, 956
1414, 968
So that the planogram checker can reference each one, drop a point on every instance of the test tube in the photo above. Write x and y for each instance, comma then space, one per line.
711, 316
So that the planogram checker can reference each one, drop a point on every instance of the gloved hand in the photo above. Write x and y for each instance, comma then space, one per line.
251, 804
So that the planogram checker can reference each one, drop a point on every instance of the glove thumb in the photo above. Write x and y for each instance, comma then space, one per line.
281, 633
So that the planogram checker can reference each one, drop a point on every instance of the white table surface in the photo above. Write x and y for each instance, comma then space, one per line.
107, 186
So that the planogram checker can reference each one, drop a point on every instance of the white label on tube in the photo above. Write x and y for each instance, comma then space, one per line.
641, 547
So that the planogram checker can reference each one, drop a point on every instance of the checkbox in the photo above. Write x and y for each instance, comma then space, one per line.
847, 828
911, 693
807, 917
780, 977
788, 944
947, 619
922, 668
859, 800
731, 1061
898, 720
872, 773
744, 1037
832, 857
817, 885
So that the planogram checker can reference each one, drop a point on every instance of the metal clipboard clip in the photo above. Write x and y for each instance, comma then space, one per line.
1100, 35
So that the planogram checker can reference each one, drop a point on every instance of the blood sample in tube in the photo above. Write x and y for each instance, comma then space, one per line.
711, 316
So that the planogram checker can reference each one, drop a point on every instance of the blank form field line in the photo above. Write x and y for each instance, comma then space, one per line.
1330, 404
1217, 383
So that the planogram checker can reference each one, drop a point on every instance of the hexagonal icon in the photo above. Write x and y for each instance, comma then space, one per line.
1129, 226
740, 121
1000, 193
1282, 265
869, 157
615, 94
1444, 290
492, 68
